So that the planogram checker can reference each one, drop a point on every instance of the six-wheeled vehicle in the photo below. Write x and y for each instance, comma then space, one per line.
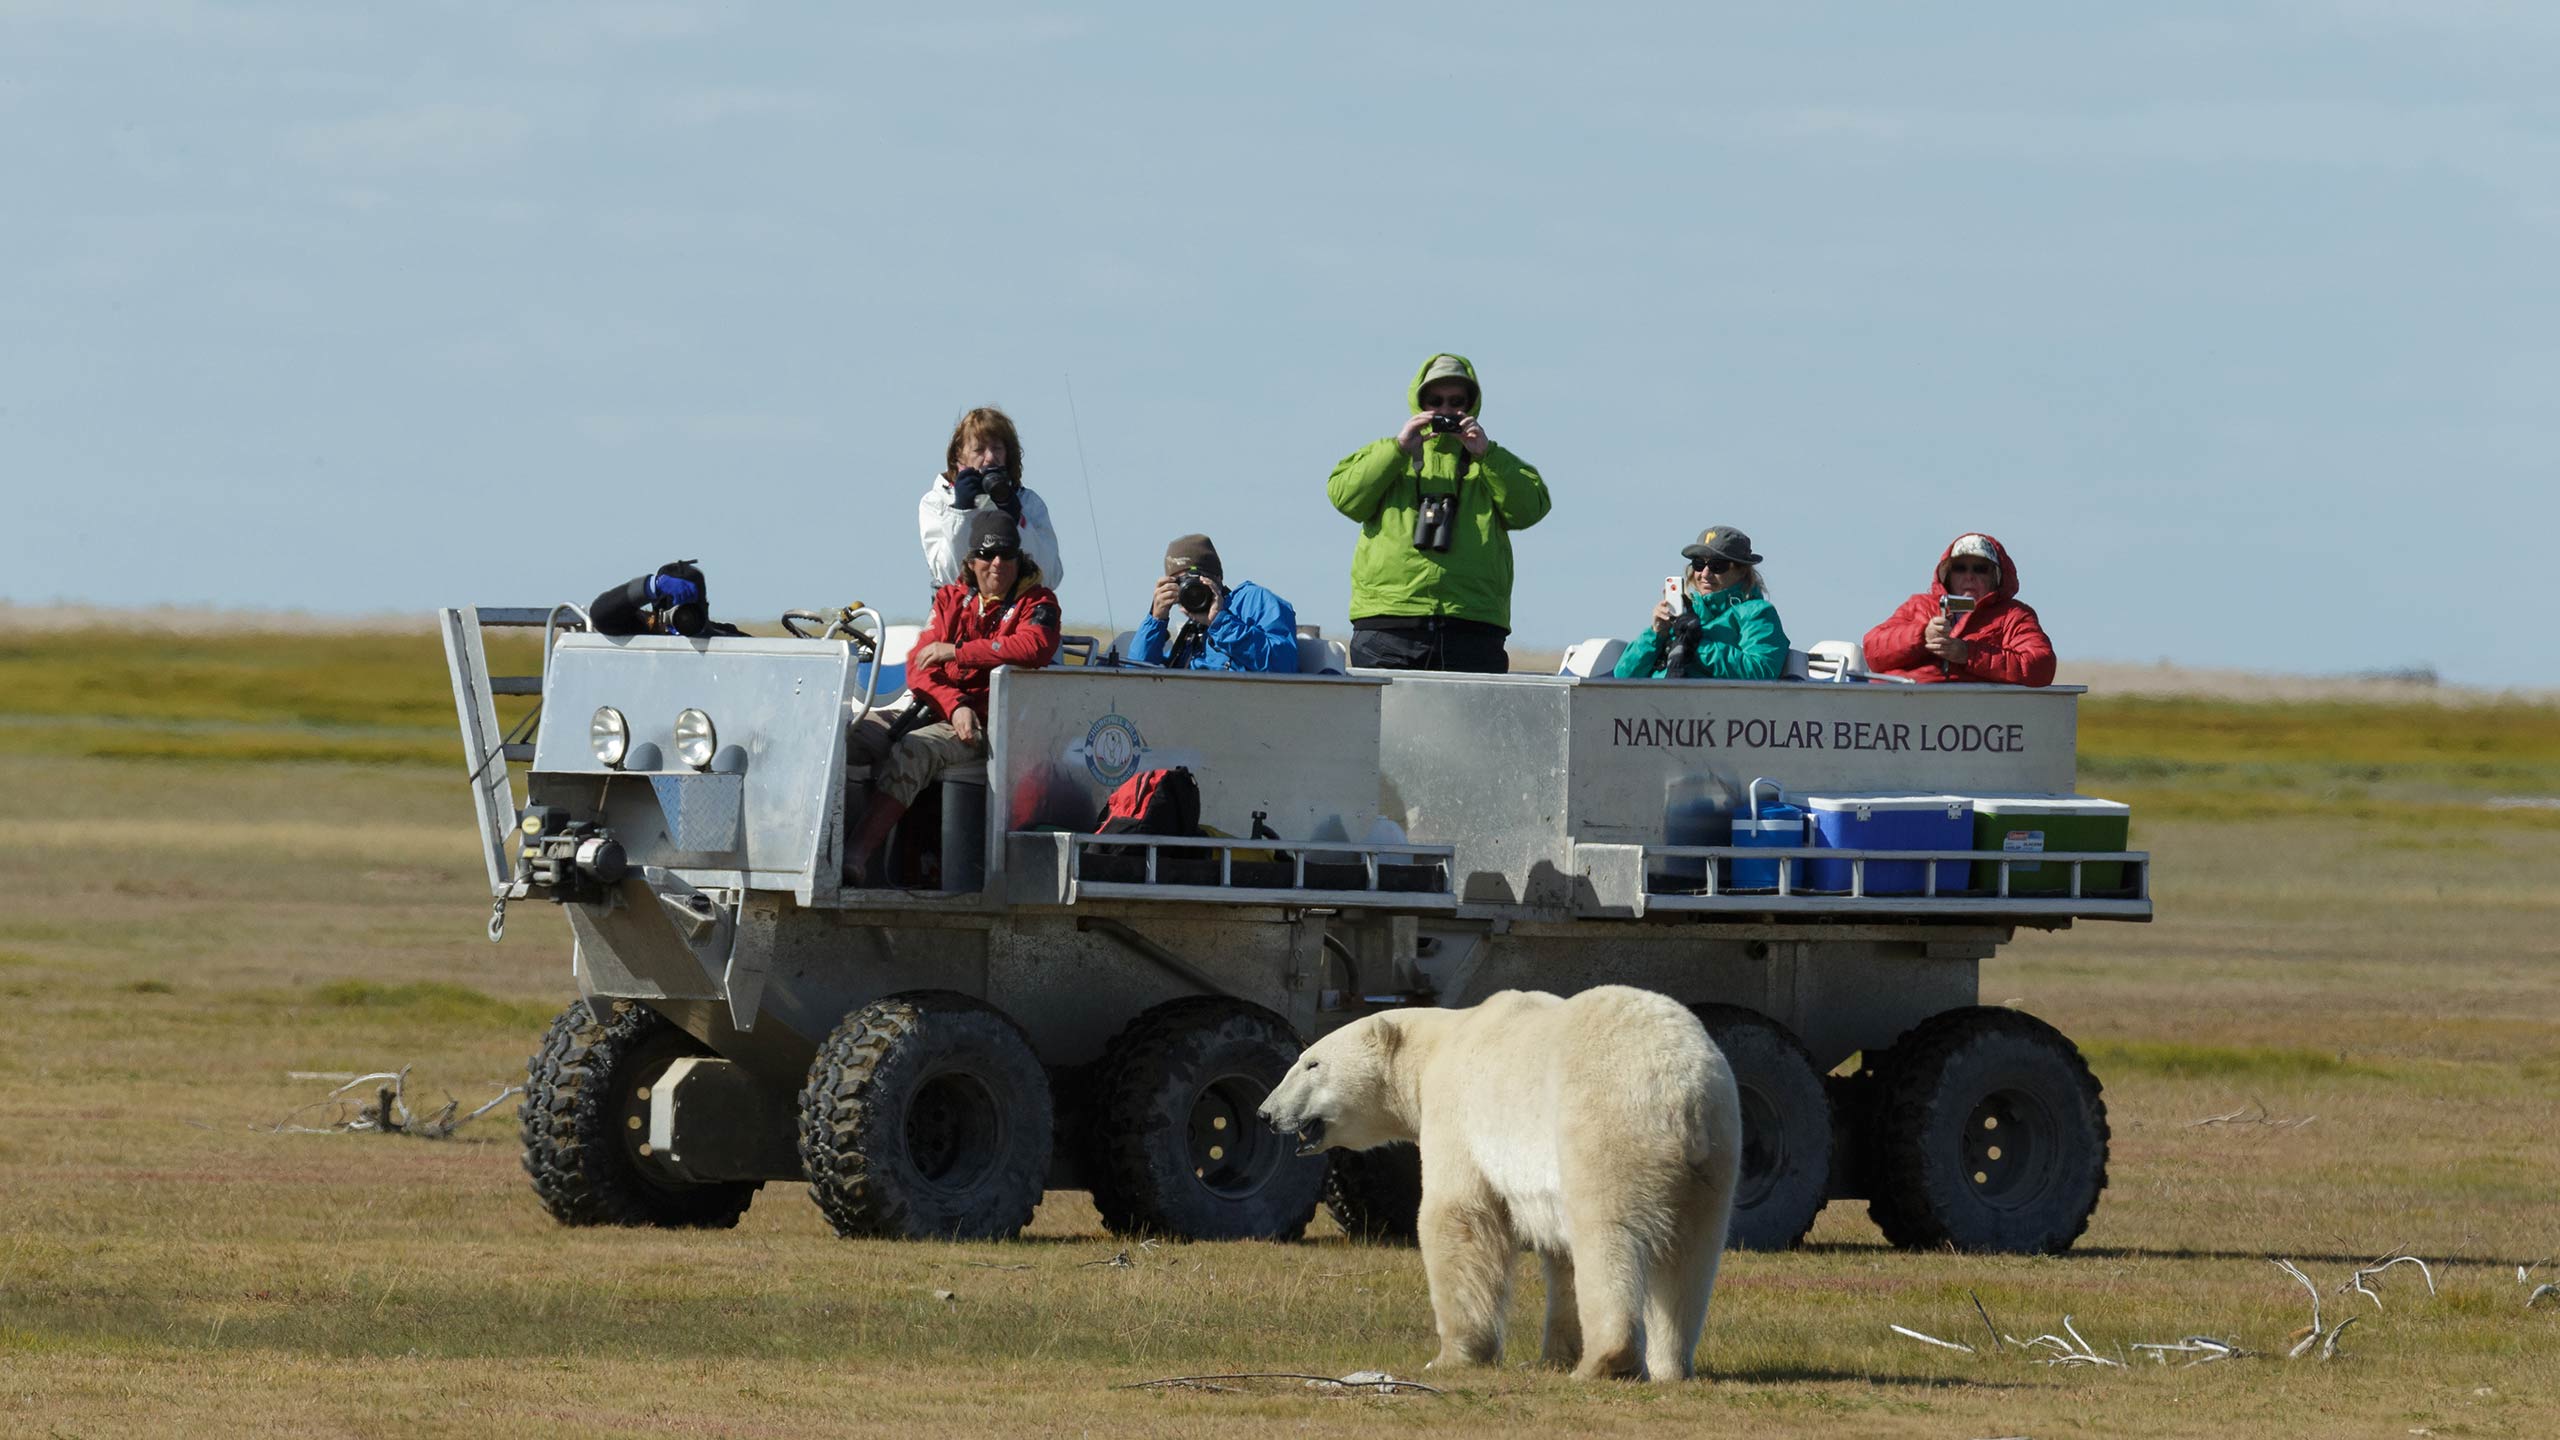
1035, 1006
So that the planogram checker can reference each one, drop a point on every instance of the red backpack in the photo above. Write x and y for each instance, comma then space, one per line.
1156, 802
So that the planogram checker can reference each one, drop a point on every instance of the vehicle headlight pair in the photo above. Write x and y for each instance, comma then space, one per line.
609, 735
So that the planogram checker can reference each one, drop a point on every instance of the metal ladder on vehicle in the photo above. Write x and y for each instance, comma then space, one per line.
487, 751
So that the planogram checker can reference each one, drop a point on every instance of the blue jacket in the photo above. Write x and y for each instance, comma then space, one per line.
1255, 630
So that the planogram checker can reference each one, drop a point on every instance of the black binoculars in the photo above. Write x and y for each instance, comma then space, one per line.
1435, 523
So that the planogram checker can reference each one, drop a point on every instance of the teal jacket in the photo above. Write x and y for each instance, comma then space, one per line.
1742, 641
1376, 485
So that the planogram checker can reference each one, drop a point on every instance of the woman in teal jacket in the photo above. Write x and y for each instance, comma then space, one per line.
1736, 636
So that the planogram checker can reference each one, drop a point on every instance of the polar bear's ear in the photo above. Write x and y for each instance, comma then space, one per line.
1387, 1035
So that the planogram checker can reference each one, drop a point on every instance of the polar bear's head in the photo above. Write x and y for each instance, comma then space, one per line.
1350, 1090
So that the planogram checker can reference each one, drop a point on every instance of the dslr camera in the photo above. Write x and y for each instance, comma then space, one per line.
1681, 660
1435, 523
1004, 488
1447, 424
1195, 592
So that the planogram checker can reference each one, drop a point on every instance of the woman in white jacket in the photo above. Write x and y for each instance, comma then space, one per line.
983, 468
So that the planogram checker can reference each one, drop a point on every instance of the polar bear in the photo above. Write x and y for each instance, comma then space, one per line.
1601, 1130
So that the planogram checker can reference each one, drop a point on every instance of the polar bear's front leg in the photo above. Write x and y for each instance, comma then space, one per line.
1466, 1253
1563, 1343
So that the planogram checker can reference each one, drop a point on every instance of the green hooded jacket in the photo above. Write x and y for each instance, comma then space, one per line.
1741, 639
1377, 486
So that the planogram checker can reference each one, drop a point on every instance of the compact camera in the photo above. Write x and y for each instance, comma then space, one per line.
1195, 592
1447, 424
1435, 523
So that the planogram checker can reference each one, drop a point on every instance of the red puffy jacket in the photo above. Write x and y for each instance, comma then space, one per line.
1020, 631
2008, 646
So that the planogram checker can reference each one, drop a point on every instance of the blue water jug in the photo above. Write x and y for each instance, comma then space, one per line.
1770, 824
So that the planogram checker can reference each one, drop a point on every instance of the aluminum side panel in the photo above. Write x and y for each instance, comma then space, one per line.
1666, 762
1479, 762
781, 701
1302, 748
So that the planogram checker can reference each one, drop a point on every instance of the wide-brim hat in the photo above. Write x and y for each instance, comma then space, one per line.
1722, 542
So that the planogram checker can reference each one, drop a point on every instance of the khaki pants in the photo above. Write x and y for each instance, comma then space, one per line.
901, 771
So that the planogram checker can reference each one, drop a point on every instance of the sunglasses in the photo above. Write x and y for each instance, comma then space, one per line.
1006, 552
1712, 567
1969, 567
1445, 398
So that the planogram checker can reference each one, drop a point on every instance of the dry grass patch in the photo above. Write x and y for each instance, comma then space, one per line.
181, 936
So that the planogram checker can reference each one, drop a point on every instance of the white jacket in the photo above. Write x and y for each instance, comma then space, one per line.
946, 530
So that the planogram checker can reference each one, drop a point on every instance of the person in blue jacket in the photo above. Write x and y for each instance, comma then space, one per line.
1241, 628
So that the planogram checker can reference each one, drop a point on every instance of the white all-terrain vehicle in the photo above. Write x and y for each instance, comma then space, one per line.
1051, 1008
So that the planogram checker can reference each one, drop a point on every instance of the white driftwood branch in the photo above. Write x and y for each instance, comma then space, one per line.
2295, 1271
2374, 1271
1933, 1340
388, 1111
2204, 1348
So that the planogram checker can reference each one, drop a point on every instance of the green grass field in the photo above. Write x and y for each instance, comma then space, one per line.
231, 859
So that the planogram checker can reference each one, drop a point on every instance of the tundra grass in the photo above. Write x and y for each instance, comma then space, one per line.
2329, 1045
382, 701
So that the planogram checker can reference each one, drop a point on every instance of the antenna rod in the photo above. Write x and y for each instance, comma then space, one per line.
1090, 513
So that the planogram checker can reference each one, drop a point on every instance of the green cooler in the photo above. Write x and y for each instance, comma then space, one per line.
2033, 823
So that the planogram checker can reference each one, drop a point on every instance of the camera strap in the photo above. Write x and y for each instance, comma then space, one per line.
1456, 483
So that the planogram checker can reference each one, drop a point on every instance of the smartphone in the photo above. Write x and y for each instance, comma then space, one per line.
1671, 591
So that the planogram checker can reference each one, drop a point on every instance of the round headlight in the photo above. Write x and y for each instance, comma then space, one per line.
608, 736
695, 739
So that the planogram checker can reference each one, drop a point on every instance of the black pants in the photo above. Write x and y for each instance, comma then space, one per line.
1437, 646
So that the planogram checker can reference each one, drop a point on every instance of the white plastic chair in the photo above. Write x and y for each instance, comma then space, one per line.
1836, 660
1595, 656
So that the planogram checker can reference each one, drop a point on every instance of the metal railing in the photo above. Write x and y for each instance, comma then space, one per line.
487, 751
1367, 857
1715, 892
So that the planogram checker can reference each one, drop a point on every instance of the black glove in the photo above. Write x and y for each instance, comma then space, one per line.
965, 489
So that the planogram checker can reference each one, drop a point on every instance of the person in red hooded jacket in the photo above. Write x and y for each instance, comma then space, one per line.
996, 613
1998, 643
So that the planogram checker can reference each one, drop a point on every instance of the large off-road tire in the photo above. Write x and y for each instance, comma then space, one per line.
1786, 1129
1173, 1146
1991, 1136
1376, 1195
926, 1115
585, 1118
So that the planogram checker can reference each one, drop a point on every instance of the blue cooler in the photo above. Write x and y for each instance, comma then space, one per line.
1771, 823
1889, 822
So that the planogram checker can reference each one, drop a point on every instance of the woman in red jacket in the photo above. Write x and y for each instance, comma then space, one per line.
1998, 642
996, 613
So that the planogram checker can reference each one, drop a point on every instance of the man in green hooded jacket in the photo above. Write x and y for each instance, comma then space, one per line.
1437, 502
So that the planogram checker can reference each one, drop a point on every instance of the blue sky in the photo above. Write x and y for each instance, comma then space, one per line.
2239, 323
